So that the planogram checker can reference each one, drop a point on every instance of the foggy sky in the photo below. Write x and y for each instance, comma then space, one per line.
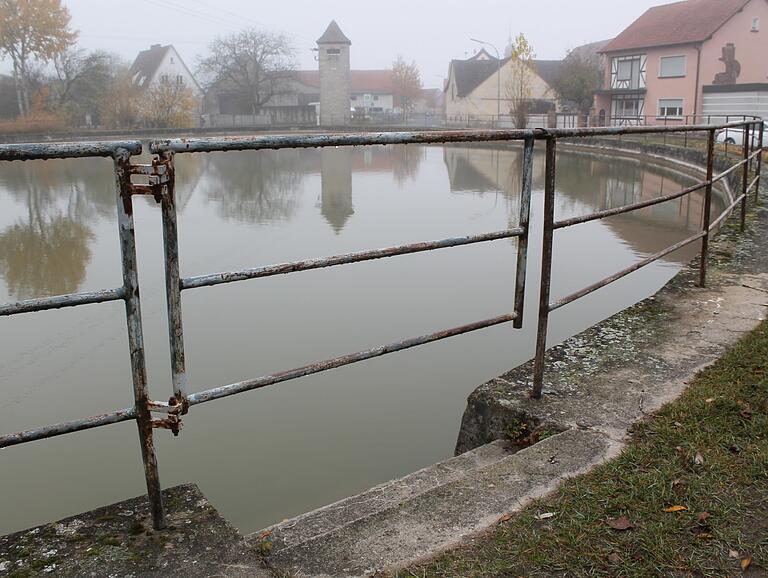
431, 33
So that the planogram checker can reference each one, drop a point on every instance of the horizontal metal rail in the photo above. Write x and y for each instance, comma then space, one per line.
60, 301
629, 208
276, 142
754, 182
67, 427
624, 272
67, 150
347, 258
726, 213
733, 167
259, 382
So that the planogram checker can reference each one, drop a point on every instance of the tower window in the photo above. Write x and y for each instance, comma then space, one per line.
333, 51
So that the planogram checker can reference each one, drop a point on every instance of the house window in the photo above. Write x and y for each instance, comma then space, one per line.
628, 72
672, 66
171, 59
671, 107
164, 78
375, 98
627, 108
179, 79
755, 25
354, 97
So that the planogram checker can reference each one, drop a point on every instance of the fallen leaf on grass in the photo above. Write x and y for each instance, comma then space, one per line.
746, 562
704, 516
699, 459
620, 524
733, 554
709, 400
545, 516
673, 509
614, 558
505, 518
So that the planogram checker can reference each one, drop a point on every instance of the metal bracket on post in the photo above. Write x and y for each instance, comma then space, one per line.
158, 175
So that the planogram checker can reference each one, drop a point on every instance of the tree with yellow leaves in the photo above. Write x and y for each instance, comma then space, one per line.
169, 105
32, 30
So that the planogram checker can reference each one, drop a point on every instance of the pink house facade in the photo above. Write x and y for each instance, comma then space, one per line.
705, 58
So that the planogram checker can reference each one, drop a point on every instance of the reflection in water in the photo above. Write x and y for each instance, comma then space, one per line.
585, 184
256, 188
336, 197
44, 256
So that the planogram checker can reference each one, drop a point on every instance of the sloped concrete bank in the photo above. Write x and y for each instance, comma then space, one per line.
511, 451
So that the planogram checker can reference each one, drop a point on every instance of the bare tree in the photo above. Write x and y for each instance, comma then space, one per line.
407, 81
256, 64
81, 81
519, 86
119, 105
32, 30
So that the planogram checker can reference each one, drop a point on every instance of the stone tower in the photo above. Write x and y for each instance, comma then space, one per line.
333, 58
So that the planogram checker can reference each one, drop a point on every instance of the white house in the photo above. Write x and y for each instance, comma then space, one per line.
162, 65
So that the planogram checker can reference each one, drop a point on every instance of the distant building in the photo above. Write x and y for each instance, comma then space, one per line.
473, 87
162, 65
697, 57
333, 63
330, 95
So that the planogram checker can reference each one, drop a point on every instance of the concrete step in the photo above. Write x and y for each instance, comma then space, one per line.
429, 511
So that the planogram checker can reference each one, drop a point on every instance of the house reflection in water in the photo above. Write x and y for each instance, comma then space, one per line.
586, 184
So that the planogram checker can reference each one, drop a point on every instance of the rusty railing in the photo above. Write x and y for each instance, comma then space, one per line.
160, 177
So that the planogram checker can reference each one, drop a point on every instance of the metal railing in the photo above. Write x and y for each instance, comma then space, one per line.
160, 183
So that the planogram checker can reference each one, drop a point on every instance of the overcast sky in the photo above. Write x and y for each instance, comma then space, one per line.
431, 33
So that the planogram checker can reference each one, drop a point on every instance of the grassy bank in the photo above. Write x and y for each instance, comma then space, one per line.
688, 497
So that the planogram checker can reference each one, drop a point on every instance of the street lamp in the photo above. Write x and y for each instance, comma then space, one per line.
498, 76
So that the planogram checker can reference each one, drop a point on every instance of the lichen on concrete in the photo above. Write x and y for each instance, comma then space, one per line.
118, 540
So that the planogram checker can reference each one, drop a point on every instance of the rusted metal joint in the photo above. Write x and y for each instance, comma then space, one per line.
172, 422
179, 408
158, 174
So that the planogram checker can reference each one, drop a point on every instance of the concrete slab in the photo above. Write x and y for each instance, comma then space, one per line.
390, 526
117, 540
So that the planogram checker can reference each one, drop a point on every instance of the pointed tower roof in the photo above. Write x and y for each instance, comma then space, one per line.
333, 35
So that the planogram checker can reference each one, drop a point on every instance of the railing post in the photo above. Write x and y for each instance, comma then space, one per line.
135, 335
173, 285
546, 268
707, 209
524, 223
745, 175
759, 164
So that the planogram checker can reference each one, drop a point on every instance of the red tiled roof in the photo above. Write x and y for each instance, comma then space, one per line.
361, 81
679, 23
